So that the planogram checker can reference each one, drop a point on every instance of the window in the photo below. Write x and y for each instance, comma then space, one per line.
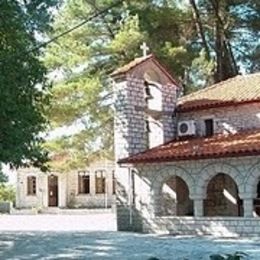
209, 127
100, 181
147, 132
84, 182
114, 183
31, 185
153, 96
147, 126
147, 91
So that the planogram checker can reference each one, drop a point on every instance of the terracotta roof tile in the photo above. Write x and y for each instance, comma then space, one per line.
237, 90
131, 65
217, 146
138, 61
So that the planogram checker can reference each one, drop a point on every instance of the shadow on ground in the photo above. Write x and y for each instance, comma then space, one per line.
117, 245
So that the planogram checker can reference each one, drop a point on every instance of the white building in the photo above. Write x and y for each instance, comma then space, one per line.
92, 188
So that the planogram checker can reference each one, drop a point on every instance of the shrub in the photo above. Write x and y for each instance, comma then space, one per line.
7, 193
236, 256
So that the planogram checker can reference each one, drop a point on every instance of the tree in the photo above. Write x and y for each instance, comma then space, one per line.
229, 32
23, 84
199, 43
88, 55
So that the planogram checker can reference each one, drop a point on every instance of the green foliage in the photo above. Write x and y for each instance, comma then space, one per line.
7, 193
231, 33
23, 84
87, 55
3, 177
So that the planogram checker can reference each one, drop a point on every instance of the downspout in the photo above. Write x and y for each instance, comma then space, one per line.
130, 205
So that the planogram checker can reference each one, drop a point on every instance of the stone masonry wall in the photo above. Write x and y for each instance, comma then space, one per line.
131, 113
244, 172
214, 226
226, 119
92, 200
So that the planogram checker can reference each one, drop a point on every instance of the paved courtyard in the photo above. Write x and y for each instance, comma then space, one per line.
116, 245
72, 237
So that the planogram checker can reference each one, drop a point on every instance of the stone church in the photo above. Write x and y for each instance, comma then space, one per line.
186, 165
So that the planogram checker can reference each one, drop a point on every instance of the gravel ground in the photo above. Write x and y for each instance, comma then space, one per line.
117, 245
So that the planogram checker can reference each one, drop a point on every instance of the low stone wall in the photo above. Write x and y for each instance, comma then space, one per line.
5, 207
91, 201
216, 226
128, 220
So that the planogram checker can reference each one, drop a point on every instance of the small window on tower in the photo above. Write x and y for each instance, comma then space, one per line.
147, 126
209, 127
147, 91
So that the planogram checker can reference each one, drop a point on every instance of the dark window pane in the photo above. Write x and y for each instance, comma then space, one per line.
100, 182
31, 185
209, 127
84, 183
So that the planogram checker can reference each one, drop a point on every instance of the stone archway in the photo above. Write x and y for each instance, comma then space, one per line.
170, 176
208, 172
252, 187
174, 198
251, 181
222, 197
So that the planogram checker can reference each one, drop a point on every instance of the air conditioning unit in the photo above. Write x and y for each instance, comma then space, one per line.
186, 128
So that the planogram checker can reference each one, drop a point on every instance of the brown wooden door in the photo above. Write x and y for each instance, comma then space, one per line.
53, 190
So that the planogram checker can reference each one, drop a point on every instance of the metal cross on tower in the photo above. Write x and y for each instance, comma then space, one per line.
144, 48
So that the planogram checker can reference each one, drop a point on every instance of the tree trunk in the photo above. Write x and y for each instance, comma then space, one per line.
199, 27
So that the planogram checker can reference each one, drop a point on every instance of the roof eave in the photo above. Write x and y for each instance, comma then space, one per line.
182, 109
194, 158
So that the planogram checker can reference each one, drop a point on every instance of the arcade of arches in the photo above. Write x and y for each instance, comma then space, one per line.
222, 198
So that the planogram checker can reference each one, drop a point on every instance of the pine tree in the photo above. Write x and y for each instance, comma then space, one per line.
199, 43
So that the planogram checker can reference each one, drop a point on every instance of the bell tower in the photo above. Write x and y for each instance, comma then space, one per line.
144, 102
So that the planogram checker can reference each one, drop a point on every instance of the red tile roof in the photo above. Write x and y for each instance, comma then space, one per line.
234, 91
131, 65
138, 61
217, 146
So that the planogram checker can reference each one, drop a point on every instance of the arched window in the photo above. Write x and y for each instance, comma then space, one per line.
153, 90
31, 185
153, 96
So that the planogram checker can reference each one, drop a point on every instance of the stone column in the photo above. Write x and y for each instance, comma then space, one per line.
248, 207
198, 205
